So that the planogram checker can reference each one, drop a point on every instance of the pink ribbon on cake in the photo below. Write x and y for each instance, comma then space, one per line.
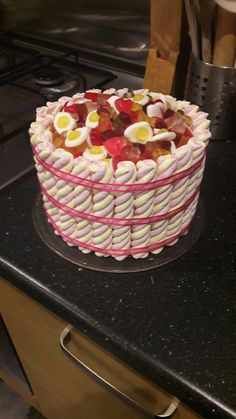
118, 252
112, 187
119, 221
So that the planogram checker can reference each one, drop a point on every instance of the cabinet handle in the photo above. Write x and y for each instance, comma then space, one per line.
64, 339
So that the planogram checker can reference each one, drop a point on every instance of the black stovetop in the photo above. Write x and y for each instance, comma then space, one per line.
29, 78
32, 73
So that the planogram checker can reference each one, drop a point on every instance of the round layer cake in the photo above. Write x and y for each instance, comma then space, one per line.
120, 170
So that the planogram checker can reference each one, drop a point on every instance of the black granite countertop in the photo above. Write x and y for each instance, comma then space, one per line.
173, 324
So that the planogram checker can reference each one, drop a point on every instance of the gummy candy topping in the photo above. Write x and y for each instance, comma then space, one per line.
73, 135
120, 128
94, 117
95, 150
62, 122
142, 134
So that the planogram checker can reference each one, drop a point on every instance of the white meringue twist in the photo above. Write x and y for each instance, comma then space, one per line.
143, 205
179, 193
45, 150
63, 160
102, 205
83, 202
166, 166
124, 206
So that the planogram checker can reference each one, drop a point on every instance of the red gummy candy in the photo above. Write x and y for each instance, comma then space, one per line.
168, 113
146, 155
124, 105
82, 111
183, 139
115, 161
107, 134
119, 131
141, 147
176, 123
91, 95
160, 123
114, 145
124, 117
80, 124
71, 108
134, 116
95, 137
104, 124
188, 133
131, 153
104, 110
102, 99
156, 101
77, 154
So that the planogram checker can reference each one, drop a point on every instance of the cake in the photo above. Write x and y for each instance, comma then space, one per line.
120, 170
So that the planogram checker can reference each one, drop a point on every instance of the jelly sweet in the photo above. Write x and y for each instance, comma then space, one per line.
104, 124
175, 122
134, 127
123, 105
95, 137
91, 96
115, 161
115, 145
131, 153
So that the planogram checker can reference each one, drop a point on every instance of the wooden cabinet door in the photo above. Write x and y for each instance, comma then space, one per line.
63, 389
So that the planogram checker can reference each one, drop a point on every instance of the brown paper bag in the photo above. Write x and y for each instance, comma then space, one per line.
165, 31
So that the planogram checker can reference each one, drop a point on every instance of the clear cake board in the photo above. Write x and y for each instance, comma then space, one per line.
109, 264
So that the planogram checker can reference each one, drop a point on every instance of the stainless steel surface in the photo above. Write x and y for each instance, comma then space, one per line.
65, 337
119, 29
109, 264
213, 89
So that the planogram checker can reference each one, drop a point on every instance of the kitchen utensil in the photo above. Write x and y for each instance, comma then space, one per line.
206, 12
213, 89
229, 5
225, 39
193, 26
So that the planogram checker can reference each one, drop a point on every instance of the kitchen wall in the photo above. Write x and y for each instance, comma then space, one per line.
118, 28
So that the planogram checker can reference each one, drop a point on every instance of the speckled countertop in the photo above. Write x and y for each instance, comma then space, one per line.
173, 324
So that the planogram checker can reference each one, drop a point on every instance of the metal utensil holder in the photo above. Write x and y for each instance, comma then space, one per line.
213, 89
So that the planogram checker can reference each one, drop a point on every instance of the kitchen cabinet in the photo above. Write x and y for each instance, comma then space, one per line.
71, 377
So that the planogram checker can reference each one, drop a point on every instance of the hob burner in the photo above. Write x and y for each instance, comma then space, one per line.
54, 82
48, 76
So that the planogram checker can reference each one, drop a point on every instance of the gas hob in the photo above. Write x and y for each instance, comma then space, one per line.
31, 75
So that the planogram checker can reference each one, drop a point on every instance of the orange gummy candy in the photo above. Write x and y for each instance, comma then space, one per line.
141, 116
102, 98
182, 140
136, 107
58, 140
158, 148
159, 152
104, 124
78, 150
188, 120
